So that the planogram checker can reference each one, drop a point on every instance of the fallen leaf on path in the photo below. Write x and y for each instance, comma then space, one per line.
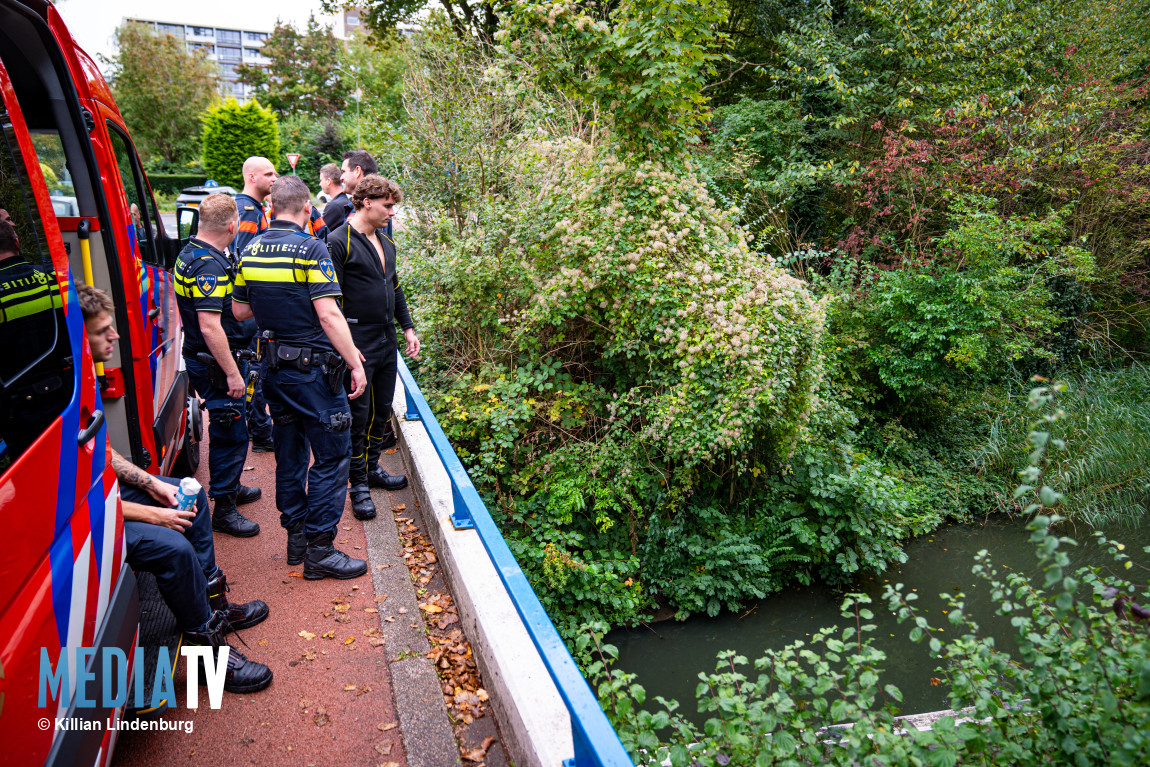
329, 635
342, 608
400, 507
389, 619
380, 597
402, 611
385, 727
321, 718
262, 643
348, 687
307, 635
349, 640
431, 609
370, 610
295, 574
383, 747
375, 641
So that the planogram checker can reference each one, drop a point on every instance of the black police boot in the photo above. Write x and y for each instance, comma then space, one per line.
248, 495
227, 519
238, 616
243, 675
263, 445
323, 560
297, 544
377, 477
361, 505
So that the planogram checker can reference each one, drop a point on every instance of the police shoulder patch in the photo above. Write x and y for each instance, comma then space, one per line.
328, 269
206, 283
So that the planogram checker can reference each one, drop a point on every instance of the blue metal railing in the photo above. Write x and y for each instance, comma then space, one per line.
596, 743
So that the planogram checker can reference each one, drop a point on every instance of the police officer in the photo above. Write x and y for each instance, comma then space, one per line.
373, 301
35, 367
173, 544
287, 282
214, 342
259, 174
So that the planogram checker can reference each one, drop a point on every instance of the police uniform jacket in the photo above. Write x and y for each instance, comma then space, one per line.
35, 357
371, 291
315, 225
253, 222
336, 212
279, 276
204, 283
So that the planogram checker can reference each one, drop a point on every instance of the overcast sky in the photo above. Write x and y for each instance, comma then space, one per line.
93, 22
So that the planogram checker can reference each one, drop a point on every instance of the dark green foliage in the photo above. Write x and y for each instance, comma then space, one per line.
232, 133
710, 559
316, 141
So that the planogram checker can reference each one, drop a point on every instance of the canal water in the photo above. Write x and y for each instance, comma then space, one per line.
668, 656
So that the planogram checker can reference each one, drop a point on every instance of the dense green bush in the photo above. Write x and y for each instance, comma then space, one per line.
233, 132
694, 351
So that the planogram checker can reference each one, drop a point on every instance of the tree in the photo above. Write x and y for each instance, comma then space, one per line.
162, 90
302, 77
233, 132
377, 68
468, 17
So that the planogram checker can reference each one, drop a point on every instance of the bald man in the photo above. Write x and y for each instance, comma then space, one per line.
259, 173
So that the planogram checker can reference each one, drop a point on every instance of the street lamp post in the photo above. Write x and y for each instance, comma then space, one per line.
358, 100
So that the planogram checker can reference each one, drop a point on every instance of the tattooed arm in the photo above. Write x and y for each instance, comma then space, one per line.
130, 474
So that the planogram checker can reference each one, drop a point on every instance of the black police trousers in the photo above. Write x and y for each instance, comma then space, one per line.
371, 411
308, 421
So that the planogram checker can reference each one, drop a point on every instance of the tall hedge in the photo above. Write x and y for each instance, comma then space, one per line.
233, 132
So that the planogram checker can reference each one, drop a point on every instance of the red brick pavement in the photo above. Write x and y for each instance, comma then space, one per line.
308, 716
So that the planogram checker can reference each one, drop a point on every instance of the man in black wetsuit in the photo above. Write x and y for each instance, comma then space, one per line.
373, 302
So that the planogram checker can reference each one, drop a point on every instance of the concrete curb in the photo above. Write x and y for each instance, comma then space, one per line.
533, 721
428, 739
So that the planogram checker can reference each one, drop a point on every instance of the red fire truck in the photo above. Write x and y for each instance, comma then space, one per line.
75, 191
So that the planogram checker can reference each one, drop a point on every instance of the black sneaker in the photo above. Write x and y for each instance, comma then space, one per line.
243, 675
248, 495
361, 503
238, 616
377, 477
324, 560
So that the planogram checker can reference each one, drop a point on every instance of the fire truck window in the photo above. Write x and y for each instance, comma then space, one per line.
56, 175
35, 354
136, 191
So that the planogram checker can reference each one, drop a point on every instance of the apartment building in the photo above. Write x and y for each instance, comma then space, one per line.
228, 47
